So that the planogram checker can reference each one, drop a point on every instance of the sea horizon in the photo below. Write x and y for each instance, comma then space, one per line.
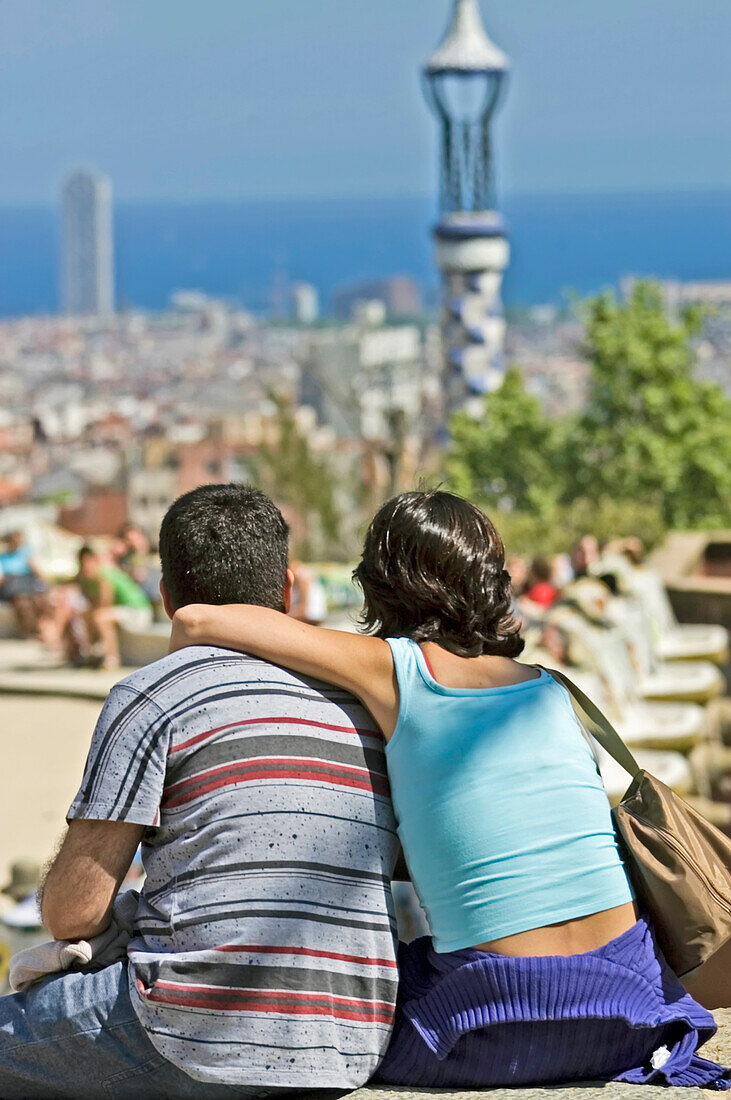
249, 251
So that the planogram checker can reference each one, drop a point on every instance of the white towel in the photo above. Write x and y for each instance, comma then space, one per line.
35, 963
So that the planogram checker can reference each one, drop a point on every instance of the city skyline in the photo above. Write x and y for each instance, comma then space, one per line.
284, 100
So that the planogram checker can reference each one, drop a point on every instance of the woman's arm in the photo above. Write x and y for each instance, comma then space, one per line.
361, 665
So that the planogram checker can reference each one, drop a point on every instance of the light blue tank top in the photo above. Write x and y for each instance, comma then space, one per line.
501, 811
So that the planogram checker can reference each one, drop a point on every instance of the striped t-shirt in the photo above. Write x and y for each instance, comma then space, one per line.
264, 945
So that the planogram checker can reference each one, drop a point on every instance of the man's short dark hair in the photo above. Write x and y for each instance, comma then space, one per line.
224, 544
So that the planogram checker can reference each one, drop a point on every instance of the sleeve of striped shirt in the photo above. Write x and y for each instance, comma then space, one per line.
125, 770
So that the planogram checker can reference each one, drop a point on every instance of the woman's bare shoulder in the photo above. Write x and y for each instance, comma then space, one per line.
451, 670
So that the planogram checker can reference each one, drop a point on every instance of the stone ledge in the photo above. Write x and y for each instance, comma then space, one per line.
25, 669
554, 1092
719, 1049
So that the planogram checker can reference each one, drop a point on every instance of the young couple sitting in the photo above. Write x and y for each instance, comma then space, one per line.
261, 764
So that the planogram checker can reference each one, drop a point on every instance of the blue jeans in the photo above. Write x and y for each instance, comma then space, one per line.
77, 1035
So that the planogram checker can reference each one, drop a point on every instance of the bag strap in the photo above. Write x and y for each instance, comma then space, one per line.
597, 724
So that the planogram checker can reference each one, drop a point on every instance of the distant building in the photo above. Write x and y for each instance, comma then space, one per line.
399, 293
713, 343
171, 464
189, 301
713, 293
87, 260
102, 510
359, 377
306, 303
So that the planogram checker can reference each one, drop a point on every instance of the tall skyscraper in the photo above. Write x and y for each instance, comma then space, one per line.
87, 260
464, 79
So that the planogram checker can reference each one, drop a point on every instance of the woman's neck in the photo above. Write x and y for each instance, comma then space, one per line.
452, 671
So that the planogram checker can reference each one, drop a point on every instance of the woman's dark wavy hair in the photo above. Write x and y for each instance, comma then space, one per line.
433, 570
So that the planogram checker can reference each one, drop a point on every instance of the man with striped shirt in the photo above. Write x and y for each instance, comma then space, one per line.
263, 953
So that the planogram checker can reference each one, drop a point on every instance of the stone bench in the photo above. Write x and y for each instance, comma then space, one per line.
8, 623
143, 645
719, 1049
555, 1092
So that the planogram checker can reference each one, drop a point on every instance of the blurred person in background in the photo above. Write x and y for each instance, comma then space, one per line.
584, 553
561, 571
540, 588
556, 643
112, 598
132, 552
518, 571
309, 604
630, 547
71, 635
22, 586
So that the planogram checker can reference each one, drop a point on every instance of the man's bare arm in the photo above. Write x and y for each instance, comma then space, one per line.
83, 880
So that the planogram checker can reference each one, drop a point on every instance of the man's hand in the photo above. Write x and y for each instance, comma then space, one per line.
83, 881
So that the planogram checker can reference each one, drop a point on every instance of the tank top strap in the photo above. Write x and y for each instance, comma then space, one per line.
408, 675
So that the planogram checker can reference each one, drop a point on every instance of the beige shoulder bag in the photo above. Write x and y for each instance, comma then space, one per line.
679, 863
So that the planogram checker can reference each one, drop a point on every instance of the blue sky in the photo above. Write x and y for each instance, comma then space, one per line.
193, 99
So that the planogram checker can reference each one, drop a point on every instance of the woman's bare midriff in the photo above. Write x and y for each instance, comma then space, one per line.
571, 937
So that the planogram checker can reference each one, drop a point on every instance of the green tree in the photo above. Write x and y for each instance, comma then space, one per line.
508, 457
652, 449
604, 517
304, 482
650, 431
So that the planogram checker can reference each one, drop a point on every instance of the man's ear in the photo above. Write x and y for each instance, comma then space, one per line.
288, 586
166, 601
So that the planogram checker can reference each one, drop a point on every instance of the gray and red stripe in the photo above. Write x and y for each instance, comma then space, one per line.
265, 938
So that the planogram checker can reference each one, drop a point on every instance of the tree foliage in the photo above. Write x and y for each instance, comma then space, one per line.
651, 431
604, 517
507, 458
653, 440
302, 481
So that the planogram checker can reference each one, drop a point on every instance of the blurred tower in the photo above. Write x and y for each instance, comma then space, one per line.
87, 259
463, 79
306, 303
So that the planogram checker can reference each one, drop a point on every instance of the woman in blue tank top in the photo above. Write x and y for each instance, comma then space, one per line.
538, 968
